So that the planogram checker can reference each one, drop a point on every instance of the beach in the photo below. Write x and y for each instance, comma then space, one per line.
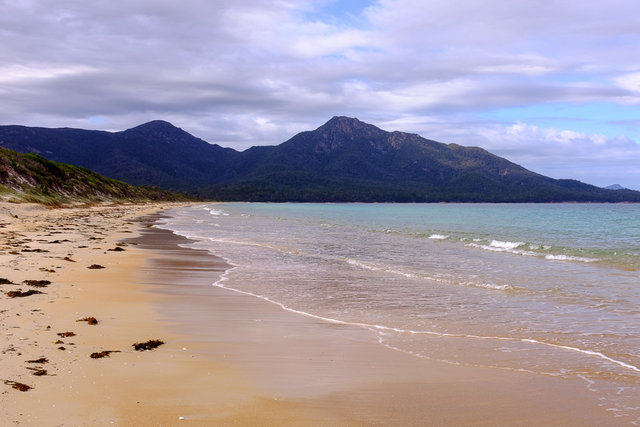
228, 358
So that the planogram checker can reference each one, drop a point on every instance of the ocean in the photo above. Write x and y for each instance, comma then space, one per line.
550, 289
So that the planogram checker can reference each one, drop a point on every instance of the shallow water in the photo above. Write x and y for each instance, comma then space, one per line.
549, 289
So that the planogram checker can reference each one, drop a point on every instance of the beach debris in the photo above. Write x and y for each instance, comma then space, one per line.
101, 354
95, 266
17, 385
89, 320
4, 281
38, 371
66, 334
149, 345
20, 294
34, 250
116, 249
37, 283
11, 348
68, 259
41, 360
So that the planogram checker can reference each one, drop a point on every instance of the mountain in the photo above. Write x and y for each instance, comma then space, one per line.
344, 160
615, 187
156, 153
32, 178
349, 160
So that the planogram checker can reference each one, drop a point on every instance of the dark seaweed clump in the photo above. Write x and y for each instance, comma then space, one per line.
101, 354
20, 294
149, 345
37, 283
67, 334
38, 372
18, 386
89, 320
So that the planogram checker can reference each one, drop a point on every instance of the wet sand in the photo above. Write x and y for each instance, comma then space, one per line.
228, 358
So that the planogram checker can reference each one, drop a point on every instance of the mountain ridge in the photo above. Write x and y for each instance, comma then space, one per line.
344, 159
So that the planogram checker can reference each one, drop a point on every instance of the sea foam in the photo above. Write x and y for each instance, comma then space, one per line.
438, 237
569, 258
505, 245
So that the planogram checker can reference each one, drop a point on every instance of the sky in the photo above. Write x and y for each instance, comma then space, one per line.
553, 85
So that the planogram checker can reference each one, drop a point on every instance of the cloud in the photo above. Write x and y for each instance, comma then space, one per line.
631, 84
248, 72
593, 158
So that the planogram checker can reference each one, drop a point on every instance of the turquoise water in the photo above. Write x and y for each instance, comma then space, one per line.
548, 289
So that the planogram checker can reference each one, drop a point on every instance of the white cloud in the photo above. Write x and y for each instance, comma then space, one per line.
592, 158
631, 83
16, 73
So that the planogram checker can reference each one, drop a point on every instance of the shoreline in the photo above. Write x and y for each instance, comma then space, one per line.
228, 358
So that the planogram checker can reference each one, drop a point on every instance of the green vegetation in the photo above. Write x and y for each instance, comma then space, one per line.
32, 178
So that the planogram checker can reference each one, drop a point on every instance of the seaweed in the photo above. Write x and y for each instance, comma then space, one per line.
104, 353
95, 266
116, 249
68, 259
4, 281
20, 294
89, 320
67, 334
38, 372
17, 385
37, 283
149, 345
41, 360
